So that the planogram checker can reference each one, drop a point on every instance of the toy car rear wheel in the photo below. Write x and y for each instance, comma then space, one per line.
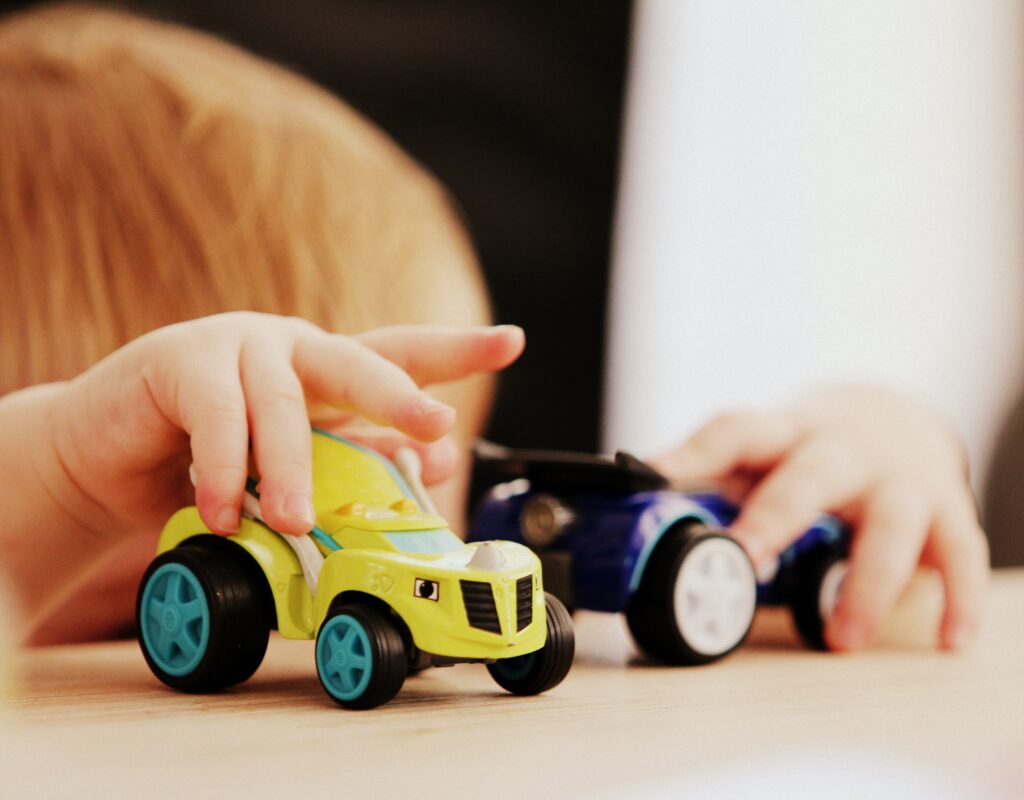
203, 617
360, 656
818, 583
696, 599
543, 669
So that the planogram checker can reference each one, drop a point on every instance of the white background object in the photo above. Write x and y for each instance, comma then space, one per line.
818, 190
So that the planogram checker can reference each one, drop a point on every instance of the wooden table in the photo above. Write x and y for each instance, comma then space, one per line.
772, 720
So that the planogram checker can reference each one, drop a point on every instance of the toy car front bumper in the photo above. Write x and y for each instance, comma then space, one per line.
498, 618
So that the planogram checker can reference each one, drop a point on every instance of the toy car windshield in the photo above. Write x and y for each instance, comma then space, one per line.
441, 540
621, 474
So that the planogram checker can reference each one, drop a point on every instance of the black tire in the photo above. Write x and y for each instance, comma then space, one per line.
653, 613
378, 646
225, 646
807, 600
543, 669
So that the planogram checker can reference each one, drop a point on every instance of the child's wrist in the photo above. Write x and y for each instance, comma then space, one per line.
45, 533
63, 464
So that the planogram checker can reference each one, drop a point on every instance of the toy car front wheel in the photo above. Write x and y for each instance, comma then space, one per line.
697, 597
202, 616
360, 656
543, 669
819, 580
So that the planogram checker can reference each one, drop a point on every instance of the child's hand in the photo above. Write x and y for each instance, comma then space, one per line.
126, 430
883, 462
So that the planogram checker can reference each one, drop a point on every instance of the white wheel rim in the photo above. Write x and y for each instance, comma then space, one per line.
715, 596
831, 586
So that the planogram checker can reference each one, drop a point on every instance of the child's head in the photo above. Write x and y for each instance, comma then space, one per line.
150, 174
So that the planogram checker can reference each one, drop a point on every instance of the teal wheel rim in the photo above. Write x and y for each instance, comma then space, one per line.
343, 657
175, 619
517, 668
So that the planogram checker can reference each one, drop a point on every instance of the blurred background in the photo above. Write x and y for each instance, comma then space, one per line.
824, 191
771, 195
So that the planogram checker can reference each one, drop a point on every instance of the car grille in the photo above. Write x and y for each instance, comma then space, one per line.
479, 601
524, 602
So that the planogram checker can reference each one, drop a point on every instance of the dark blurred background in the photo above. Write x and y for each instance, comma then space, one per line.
516, 107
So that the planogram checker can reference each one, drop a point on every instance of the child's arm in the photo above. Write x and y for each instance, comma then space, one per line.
86, 463
882, 461
44, 543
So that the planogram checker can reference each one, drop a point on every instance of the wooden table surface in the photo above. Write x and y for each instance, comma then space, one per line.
901, 720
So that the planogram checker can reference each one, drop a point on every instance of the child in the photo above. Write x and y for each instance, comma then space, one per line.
157, 175
150, 175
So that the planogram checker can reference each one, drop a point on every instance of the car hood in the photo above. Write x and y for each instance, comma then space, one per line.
477, 560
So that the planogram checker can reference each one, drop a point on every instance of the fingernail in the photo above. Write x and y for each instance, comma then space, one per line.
755, 550
300, 507
848, 634
959, 637
227, 519
766, 564
767, 567
496, 330
428, 406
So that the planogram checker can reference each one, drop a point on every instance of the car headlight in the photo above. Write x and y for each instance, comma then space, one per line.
543, 519
427, 590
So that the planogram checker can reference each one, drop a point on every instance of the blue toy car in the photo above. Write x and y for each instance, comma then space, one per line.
613, 537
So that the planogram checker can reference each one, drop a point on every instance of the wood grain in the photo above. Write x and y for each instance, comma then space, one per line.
87, 719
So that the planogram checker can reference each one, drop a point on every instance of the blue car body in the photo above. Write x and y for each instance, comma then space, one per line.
599, 559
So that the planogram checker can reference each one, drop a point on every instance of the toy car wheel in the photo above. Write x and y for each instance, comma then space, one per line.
696, 599
360, 656
819, 580
543, 669
203, 616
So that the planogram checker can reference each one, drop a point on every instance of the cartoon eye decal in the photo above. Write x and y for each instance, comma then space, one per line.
427, 590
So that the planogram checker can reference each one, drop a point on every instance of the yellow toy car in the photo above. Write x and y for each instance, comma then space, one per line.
381, 583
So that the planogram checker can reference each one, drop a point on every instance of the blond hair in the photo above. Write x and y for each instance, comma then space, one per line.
150, 174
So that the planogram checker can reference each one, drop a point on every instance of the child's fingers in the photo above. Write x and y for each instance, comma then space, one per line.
744, 439
436, 353
959, 549
735, 486
892, 531
820, 475
280, 437
212, 412
343, 372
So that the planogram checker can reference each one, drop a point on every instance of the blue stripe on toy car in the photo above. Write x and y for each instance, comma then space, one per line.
695, 513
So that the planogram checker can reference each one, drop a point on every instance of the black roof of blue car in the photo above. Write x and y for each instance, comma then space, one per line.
559, 471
